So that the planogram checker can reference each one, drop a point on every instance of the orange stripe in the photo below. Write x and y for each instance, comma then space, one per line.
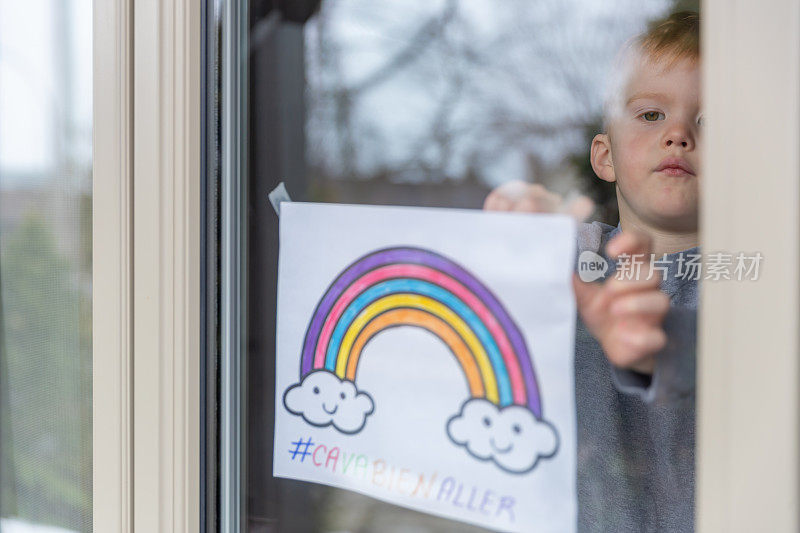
434, 324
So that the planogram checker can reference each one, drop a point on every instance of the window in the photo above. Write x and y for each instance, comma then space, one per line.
429, 105
45, 266
734, 324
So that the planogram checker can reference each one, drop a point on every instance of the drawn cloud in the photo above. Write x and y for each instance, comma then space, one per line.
322, 399
512, 437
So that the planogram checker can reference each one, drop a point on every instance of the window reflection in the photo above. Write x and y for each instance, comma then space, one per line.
435, 103
410, 103
45, 265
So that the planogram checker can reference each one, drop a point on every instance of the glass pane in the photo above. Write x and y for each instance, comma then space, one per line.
436, 104
45, 266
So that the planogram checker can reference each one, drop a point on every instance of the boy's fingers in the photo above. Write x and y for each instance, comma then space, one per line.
538, 199
643, 341
503, 197
652, 305
614, 288
585, 292
594, 297
630, 243
580, 208
617, 286
534, 205
513, 190
523, 197
630, 342
496, 202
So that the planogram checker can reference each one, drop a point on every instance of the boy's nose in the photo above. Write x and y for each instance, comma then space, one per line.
682, 142
679, 135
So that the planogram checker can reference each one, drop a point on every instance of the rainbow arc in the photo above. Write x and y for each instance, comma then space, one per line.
407, 286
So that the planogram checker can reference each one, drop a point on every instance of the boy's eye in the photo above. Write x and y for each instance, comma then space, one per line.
652, 116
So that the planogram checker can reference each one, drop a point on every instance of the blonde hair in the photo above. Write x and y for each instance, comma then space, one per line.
666, 41
672, 39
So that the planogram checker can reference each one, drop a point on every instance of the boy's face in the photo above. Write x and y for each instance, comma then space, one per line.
653, 146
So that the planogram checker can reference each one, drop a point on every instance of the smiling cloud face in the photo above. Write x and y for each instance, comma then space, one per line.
322, 399
512, 437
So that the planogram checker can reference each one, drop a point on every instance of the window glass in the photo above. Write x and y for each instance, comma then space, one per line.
410, 103
45, 266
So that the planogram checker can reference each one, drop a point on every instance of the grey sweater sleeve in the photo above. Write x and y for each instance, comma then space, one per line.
674, 374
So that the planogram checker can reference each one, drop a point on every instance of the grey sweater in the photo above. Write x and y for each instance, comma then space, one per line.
636, 434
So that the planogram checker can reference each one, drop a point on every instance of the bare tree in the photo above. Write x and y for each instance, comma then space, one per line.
513, 81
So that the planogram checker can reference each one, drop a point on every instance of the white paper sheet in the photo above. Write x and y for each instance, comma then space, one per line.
425, 358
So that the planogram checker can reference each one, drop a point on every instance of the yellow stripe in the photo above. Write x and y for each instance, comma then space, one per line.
432, 306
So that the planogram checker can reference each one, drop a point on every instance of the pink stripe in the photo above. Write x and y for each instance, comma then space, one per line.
438, 278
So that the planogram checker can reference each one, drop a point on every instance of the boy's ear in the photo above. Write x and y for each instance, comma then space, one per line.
602, 162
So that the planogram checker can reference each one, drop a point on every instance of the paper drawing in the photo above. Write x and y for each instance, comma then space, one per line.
424, 357
501, 421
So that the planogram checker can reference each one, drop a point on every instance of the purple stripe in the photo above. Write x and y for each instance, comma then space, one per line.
422, 257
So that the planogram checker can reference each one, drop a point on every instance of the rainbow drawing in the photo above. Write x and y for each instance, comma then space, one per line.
408, 286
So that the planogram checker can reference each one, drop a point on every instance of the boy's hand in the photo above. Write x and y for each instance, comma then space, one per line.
534, 198
626, 316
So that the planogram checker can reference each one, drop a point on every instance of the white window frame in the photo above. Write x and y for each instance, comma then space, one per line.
146, 272
112, 277
747, 405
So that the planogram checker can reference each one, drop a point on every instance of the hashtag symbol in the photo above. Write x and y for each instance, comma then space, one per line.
298, 444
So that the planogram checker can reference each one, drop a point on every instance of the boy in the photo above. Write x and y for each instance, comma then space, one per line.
635, 338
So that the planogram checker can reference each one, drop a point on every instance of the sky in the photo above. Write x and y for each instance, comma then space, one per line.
45, 88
